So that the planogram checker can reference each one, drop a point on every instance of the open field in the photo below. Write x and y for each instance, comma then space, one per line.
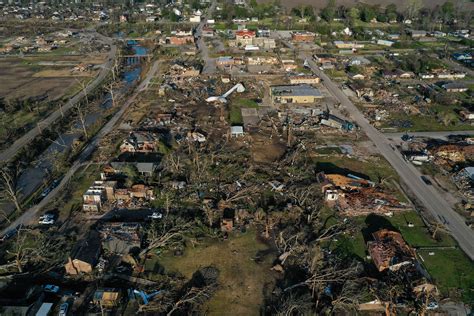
48, 75
242, 279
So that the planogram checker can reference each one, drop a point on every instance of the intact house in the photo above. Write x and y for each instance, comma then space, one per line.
416, 33
359, 61
249, 39
389, 250
244, 37
385, 43
139, 142
356, 76
302, 93
236, 131
346, 45
303, 37
455, 87
304, 79
179, 40
84, 255
397, 74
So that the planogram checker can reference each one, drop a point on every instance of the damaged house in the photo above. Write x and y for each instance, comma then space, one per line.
354, 196
139, 142
84, 255
120, 238
390, 251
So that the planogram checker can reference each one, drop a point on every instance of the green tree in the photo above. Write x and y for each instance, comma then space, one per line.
367, 13
447, 10
329, 12
354, 14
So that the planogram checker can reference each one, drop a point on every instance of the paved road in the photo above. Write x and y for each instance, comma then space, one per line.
209, 63
32, 214
10, 152
440, 135
431, 199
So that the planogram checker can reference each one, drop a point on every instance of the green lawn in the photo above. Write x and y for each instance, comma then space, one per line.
376, 169
426, 123
235, 115
452, 271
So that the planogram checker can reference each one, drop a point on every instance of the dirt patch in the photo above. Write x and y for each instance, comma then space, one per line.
265, 152
56, 73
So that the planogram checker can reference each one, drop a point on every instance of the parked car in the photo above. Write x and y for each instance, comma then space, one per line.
47, 219
50, 288
12, 232
156, 215
426, 180
63, 309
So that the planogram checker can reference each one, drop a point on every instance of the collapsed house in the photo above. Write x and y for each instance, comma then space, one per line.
139, 142
353, 196
389, 250
107, 191
120, 238
448, 154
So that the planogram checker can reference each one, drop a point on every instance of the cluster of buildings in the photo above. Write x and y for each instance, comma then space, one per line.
251, 40
102, 192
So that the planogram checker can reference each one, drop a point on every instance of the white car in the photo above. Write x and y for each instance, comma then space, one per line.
156, 215
46, 220
63, 309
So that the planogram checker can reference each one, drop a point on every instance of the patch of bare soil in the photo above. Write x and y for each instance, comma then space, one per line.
266, 152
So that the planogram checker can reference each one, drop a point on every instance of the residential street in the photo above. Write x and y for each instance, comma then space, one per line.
431, 199
31, 214
209, 63
9, 153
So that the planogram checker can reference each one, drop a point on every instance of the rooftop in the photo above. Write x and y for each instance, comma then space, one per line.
296, 90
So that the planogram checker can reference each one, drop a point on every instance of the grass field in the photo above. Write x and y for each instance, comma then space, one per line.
375, 169
241, 279
452, 271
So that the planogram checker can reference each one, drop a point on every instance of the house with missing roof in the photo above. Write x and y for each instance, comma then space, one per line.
84, 255
298, 94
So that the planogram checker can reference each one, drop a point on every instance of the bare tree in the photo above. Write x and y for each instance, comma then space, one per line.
82, 120
194, 296
162, 234
11, 190
19, 251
